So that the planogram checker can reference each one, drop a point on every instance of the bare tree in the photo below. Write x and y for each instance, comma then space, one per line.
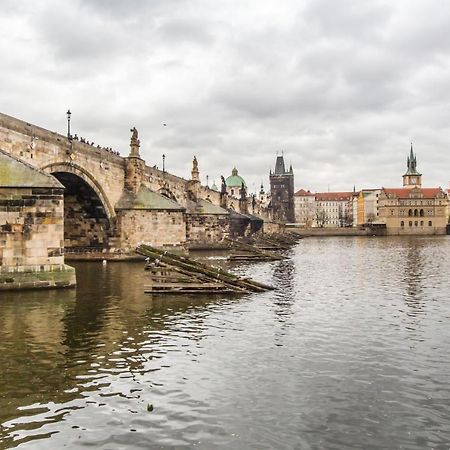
321, 218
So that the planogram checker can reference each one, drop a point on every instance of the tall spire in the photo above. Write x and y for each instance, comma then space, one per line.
412, 177
412, 162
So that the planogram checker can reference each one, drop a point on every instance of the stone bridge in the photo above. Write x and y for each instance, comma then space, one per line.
114, 202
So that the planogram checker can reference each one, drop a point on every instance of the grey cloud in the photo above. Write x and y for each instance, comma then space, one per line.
341, 87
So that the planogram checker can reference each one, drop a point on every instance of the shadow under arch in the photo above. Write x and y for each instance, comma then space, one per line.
89, 179
89, 219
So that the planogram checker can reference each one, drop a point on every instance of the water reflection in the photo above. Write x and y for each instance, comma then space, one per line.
414, 275
349, 352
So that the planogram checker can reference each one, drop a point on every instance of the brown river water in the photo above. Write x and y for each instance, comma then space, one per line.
352, 351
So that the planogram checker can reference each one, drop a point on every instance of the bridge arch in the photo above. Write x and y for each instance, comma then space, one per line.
88, 214
89, 179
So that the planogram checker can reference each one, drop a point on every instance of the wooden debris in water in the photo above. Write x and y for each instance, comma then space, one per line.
262, 247
244, 251
170, 273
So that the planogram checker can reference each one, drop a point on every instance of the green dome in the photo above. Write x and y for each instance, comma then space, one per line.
214, 187
235, 180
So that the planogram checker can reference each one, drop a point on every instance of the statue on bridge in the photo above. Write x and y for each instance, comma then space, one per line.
195, 173
134, 142
134, 136
223, 188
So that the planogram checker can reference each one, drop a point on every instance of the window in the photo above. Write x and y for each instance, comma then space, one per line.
416, 212
416, 223
430, 223
402, 223
410, 223
422, 213
421, 223
410, 213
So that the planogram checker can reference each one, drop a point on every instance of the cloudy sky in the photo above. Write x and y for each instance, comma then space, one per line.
341, 86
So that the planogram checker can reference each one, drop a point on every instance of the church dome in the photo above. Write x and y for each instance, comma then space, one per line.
235, 180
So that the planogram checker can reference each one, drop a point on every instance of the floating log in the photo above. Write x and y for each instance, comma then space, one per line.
170, 273
253, 252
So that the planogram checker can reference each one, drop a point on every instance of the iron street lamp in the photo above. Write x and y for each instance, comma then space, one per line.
69, 114
164, 160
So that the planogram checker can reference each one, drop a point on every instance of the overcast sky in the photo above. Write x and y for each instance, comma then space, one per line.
341, 86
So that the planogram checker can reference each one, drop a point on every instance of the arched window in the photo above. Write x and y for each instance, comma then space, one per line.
416, 223
421, 223
410, 223
422, 213
410, 213
430, 223
416, 212
402, 223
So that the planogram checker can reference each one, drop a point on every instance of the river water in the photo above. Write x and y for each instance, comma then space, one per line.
350, 352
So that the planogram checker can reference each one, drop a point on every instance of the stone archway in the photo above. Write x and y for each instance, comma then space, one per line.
69, 167
87, 214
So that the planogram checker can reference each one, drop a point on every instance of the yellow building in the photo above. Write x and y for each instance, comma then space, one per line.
367, 206
413, 209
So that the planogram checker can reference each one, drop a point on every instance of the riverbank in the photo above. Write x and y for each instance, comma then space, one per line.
337, 231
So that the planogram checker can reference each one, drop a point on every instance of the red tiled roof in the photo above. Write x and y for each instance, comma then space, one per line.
333, 196
304, 193
404, 192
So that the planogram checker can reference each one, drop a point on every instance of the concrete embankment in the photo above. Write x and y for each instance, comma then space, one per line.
337, 231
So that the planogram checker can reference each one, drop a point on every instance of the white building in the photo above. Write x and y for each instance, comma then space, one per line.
324, 209
305, 208
334, 209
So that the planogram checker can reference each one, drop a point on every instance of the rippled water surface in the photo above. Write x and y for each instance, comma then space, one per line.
351, 352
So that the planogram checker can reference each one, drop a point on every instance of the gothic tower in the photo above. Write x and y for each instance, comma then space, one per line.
412, 177
282, 192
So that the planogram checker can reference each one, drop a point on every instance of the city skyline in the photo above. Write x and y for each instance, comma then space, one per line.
341, 91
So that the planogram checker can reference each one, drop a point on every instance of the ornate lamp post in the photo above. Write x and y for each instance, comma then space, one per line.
164, 161
69, 114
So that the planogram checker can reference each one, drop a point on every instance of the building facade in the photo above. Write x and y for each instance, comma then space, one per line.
413, 209
365, 209
323, 209
334, 209
305, 208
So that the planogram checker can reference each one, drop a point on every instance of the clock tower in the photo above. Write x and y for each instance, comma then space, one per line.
412, 178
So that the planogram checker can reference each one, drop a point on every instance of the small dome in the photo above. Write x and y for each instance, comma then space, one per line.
214, 187
235, 180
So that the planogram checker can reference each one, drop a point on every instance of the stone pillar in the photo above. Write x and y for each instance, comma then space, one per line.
134, 165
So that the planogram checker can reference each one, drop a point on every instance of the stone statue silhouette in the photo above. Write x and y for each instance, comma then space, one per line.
223, 188
243, 192
134, 136
195, 164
